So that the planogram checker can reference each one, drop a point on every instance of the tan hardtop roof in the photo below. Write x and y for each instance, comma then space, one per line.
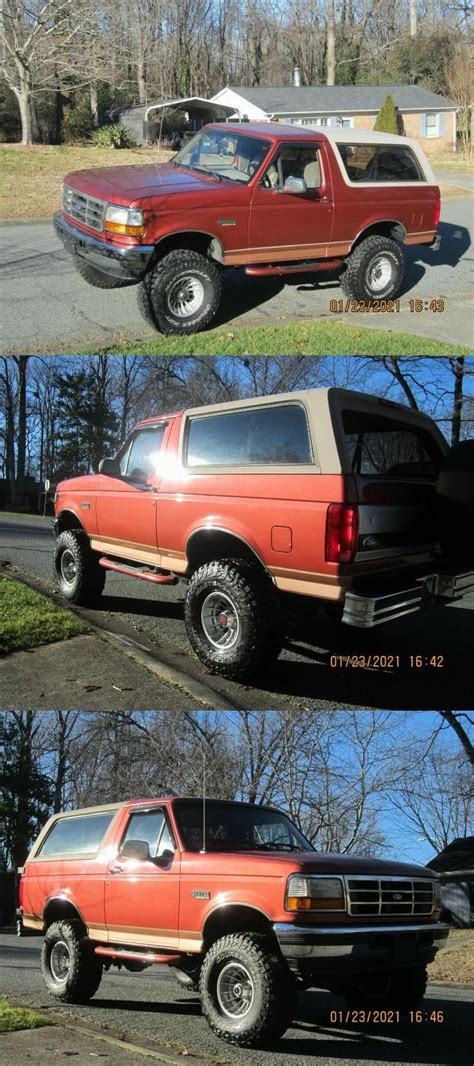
318, 396
105, 807
295, 132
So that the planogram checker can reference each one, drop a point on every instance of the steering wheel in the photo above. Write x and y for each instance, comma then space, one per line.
252, 167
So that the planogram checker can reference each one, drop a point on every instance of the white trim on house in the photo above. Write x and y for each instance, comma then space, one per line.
242, 106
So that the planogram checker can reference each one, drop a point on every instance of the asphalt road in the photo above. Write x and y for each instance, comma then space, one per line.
151, 1006
46, 307
303, 675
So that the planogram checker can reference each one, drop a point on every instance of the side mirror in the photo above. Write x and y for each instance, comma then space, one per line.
109, 467
295, 186
165, 858
136, 849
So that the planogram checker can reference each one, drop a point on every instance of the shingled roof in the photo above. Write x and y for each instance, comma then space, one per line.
337, 98
457, 857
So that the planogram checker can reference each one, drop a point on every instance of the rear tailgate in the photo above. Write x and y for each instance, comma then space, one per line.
393, 455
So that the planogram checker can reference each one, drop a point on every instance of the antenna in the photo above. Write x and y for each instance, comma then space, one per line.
203, 849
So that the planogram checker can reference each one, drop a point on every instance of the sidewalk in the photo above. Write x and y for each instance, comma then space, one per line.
39, 1046
85, 673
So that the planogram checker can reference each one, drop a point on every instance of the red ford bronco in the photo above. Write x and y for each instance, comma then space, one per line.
269, 506
270, 198
236, 901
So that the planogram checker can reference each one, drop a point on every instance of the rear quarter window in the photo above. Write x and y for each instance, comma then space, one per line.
79, 836
254, 437
379, 162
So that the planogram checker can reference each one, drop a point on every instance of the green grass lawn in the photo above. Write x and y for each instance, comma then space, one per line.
300, 338
32, 177
30, 619
13, 1018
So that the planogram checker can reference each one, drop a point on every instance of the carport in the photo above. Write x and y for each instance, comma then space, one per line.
144, 121
455, 864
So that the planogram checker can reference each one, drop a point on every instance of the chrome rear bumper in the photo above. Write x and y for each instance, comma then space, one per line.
366, 611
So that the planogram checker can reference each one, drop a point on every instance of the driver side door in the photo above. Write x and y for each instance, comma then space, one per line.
286, 226
142, 897
127, 506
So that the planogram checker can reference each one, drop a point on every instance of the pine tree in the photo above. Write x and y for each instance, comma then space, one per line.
387, 118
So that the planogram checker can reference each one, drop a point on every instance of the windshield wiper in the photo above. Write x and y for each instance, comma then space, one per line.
203, 170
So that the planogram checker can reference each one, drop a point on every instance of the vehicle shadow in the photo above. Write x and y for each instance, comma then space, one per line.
408, 1042
152, 608
241, 294
455, 241
329, 665
185, 1007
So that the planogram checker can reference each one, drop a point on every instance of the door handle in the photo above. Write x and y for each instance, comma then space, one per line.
116, 870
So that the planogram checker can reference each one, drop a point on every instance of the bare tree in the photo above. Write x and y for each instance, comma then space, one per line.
35, 41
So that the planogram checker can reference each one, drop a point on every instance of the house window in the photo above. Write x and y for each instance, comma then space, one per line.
432, 126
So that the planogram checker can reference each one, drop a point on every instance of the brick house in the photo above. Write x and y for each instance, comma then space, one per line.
424, 115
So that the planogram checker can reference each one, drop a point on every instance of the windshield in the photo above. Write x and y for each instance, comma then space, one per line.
224, 154
236, 827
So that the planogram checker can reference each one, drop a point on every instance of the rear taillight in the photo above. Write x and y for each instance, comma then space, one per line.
437, 214
341, 533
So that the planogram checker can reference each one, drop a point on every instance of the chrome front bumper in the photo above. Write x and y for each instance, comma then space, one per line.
333, 949
366, 611
127, 263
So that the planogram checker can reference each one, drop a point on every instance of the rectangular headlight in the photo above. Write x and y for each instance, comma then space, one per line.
128, 220
314, 893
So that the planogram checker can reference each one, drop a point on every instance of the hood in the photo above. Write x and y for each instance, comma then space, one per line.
282, 863
127, 184
78, 484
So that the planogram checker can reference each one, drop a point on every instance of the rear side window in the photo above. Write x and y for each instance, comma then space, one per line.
379, 162
383, 446
257, 436
76, 836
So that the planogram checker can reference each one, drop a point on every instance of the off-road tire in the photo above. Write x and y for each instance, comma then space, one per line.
160, 284
145, 305
259, 623
354, 279
83, 976
401, 989
87, 582
96, 277
270, 1010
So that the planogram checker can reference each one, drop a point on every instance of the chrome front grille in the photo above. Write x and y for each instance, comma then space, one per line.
84, 208
395, 896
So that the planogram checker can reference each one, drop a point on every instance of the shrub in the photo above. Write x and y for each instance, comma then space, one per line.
387, 118
113, 136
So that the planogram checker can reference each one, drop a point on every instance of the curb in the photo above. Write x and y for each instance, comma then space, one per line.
162, 664
159, 1053
127, 1045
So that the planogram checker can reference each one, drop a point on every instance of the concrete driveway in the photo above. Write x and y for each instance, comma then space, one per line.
150, 1005
46, 306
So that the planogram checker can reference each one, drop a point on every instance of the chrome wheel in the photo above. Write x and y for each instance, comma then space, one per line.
60, 961
68, 567
235, 990
186, 296
220, 621
379, 273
